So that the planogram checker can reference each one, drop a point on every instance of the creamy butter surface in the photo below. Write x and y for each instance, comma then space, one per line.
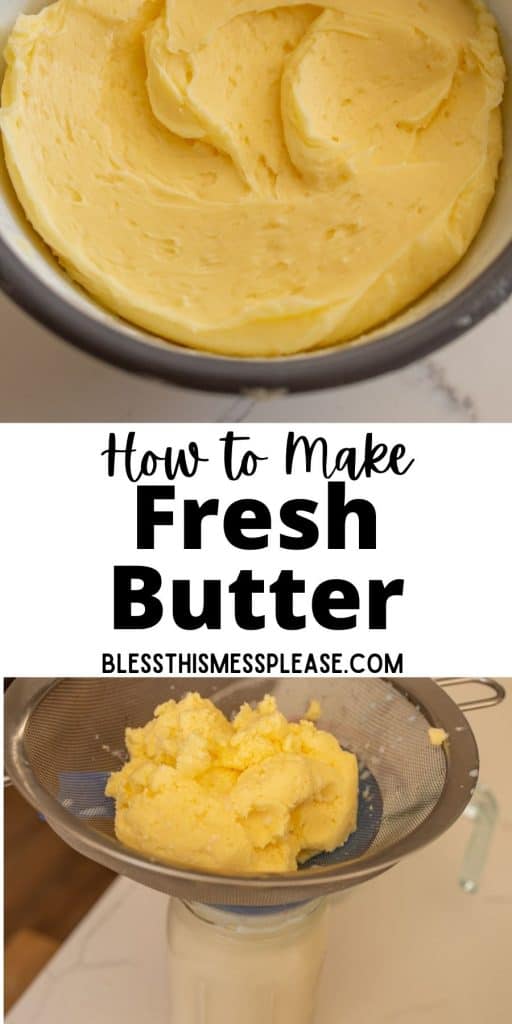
258, 794
249, 178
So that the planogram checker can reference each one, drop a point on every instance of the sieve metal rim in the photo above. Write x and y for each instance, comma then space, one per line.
438, 708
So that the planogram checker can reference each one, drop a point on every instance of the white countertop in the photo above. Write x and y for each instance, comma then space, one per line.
408, 948
44, 380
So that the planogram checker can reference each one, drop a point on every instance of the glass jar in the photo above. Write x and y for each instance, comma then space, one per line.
250, 966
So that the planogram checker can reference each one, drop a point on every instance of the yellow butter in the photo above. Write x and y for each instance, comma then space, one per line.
258, 794
252, 178
437, 737
314, 711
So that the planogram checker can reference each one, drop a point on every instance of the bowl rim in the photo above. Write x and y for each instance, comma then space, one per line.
203, 371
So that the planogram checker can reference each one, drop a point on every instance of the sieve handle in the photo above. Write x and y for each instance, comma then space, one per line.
496, 697
483, 812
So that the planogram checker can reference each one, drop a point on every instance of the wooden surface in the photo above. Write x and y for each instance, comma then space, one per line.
26, 953
48, 889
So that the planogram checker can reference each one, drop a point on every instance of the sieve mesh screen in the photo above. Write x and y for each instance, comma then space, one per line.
74, 736
78, 729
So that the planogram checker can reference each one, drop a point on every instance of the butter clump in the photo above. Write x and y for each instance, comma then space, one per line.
258, 794
314, 711
437, 736
255, 178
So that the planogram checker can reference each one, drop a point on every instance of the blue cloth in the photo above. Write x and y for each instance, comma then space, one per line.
83, 794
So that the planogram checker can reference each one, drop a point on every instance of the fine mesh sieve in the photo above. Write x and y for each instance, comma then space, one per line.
64, 737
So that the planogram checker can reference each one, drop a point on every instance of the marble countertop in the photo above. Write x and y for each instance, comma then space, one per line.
45, 380
407, 947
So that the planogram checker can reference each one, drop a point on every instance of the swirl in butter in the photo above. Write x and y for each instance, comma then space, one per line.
253, 178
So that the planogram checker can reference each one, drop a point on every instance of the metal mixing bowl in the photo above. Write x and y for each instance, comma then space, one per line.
474, 289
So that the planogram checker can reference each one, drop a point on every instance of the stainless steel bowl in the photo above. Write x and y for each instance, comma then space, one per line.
480, 284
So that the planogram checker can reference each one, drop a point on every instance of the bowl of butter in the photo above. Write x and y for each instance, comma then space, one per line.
249, 194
